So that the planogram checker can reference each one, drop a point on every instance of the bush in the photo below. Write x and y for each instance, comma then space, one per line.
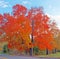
5, 49
36, 50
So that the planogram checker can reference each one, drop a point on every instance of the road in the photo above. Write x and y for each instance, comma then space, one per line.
22, 57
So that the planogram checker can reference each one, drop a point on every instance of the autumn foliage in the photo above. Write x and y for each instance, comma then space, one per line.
24, 24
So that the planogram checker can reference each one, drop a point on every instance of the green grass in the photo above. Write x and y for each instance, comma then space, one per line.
54, 55
51, 55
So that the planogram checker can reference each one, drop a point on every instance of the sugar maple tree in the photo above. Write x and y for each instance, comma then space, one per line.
43, 37
17, 31
22, 24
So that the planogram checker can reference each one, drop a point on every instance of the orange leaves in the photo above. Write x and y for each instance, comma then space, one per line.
10, 45
20, 19
22, 24
17, 26
41, 47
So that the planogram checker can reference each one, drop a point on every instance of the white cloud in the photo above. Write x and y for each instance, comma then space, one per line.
56, 18
25, 2
3, 4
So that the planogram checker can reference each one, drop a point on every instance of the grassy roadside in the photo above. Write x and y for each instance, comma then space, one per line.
51, 55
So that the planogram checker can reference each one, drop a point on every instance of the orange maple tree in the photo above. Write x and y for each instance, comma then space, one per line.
42, 36
25, 23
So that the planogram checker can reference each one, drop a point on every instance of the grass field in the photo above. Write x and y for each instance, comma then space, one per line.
51, 55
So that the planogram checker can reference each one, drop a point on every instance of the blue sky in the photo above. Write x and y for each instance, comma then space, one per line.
51, 7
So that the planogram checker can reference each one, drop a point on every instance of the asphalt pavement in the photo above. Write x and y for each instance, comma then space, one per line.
23, 57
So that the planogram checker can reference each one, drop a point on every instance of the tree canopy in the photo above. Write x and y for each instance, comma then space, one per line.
24, 24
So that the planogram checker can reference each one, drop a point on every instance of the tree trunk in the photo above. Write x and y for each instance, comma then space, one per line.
32, 39
54, 51
31, 51
47, 52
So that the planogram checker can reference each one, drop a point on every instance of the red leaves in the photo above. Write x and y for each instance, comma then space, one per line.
9, 45
1, 17
19, 27
19, 10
